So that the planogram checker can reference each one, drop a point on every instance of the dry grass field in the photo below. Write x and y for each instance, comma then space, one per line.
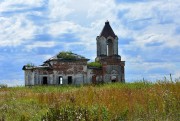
138, 101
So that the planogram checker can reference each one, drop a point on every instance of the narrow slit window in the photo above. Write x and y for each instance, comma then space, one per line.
107, 49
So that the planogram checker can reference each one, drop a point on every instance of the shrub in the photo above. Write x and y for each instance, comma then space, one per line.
29, 65
66, 55
95, 64
3, 86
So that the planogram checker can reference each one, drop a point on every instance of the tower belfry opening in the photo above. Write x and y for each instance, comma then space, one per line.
109, 47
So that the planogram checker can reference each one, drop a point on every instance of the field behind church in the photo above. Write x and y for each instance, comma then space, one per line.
138, 101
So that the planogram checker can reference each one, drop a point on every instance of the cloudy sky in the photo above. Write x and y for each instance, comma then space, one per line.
32, 31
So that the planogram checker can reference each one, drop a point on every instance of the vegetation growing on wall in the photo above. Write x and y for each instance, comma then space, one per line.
29, 65
68, 55
95, 64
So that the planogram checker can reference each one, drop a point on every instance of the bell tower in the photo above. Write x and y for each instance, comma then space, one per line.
107, 42
107, 55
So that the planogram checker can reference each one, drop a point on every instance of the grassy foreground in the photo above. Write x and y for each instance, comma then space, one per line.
139, 101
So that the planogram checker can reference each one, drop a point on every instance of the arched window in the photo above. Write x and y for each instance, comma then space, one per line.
109, 47
60, 80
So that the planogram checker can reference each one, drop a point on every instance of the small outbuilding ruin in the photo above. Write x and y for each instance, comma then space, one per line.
71, 68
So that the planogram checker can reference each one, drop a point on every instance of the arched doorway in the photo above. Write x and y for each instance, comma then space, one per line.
114, 76
60, 81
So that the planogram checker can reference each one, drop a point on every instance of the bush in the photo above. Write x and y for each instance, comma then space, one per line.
66, 55
29, 65
95, 64
3, 86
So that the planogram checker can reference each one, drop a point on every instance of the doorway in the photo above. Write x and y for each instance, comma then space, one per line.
69, 79
45, 80
113, 78
94, 79
60, 80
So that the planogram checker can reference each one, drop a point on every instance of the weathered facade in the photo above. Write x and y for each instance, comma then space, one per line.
74, 69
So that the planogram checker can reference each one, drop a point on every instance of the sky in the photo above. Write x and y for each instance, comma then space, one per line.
31, 31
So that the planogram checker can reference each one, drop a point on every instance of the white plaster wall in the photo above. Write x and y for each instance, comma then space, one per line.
103, 46
51, 79
79, 78
36, 77
26, 77
98, 46
29, 77
85, 68
89, 76
116, 46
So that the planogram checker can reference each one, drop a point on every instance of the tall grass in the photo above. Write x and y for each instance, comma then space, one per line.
117, 101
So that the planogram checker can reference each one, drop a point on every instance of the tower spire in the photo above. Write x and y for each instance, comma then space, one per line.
107, 31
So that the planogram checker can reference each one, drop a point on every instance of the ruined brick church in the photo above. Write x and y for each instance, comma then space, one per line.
70, 68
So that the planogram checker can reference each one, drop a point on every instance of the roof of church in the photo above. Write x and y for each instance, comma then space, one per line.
64, 56
107, 31
67, 56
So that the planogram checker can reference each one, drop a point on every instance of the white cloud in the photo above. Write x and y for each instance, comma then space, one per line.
157, 33
41, 44
15, 30
63, 27
58, 9
13, 5
82, 12
150, 70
